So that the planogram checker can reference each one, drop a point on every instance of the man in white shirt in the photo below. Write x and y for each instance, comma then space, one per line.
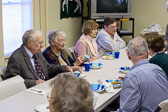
107, 39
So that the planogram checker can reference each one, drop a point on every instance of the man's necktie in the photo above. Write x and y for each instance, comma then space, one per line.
38, 68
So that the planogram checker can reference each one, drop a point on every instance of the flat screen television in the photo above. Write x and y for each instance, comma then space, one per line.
110, 8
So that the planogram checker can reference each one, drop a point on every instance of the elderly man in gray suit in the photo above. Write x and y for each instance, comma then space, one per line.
28, 62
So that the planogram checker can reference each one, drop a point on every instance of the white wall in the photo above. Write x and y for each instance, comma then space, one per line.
147, 12
71, 26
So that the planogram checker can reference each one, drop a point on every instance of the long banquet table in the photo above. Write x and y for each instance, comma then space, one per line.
26, 101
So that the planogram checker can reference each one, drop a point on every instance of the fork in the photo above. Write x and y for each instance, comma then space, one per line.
39, 91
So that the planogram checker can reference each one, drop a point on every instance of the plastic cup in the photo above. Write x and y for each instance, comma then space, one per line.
87, 66
117, 54
87, 57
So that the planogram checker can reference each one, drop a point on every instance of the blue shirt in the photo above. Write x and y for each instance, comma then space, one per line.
107, 42
145, 86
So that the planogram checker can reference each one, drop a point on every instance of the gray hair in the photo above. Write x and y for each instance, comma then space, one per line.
53, 34
137, 47
71, 94
29, 35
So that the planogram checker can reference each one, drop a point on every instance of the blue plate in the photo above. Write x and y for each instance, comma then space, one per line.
96, 65
110, 53
98, 87
115, 81
124, 68
77, 73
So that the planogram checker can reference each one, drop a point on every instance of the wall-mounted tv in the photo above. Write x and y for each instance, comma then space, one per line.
110, 8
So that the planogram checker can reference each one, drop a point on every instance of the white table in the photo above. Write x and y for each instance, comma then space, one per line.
26, 101
110, 70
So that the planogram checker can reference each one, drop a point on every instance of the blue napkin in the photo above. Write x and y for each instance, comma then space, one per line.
98, 87
110, 53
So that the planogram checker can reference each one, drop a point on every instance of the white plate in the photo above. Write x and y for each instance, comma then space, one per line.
107, 57
98, 67
116, 83
124, 71
116, 86
42, 108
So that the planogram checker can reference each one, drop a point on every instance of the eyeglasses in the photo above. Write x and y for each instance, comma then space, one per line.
49, 97
112, 27
61, 41
40, 42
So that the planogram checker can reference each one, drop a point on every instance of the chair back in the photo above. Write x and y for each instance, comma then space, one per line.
0, 78
72, 51
163, 106
11, 86
3, 71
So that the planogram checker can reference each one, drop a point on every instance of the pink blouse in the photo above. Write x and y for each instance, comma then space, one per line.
86, 45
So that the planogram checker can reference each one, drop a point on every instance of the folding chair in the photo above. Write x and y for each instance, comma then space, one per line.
11, 86
163, 106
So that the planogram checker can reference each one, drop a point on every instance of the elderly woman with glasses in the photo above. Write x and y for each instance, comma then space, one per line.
70, 94
86, 45
56, 54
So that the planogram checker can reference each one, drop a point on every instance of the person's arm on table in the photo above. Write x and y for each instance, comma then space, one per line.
14, 69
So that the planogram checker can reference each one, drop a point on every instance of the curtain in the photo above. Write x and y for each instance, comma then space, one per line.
40, 17
1, 37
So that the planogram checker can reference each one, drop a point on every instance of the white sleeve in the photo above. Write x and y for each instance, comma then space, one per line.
104, 41
120, 41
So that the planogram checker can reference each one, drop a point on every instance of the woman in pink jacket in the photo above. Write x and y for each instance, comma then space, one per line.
86, 45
